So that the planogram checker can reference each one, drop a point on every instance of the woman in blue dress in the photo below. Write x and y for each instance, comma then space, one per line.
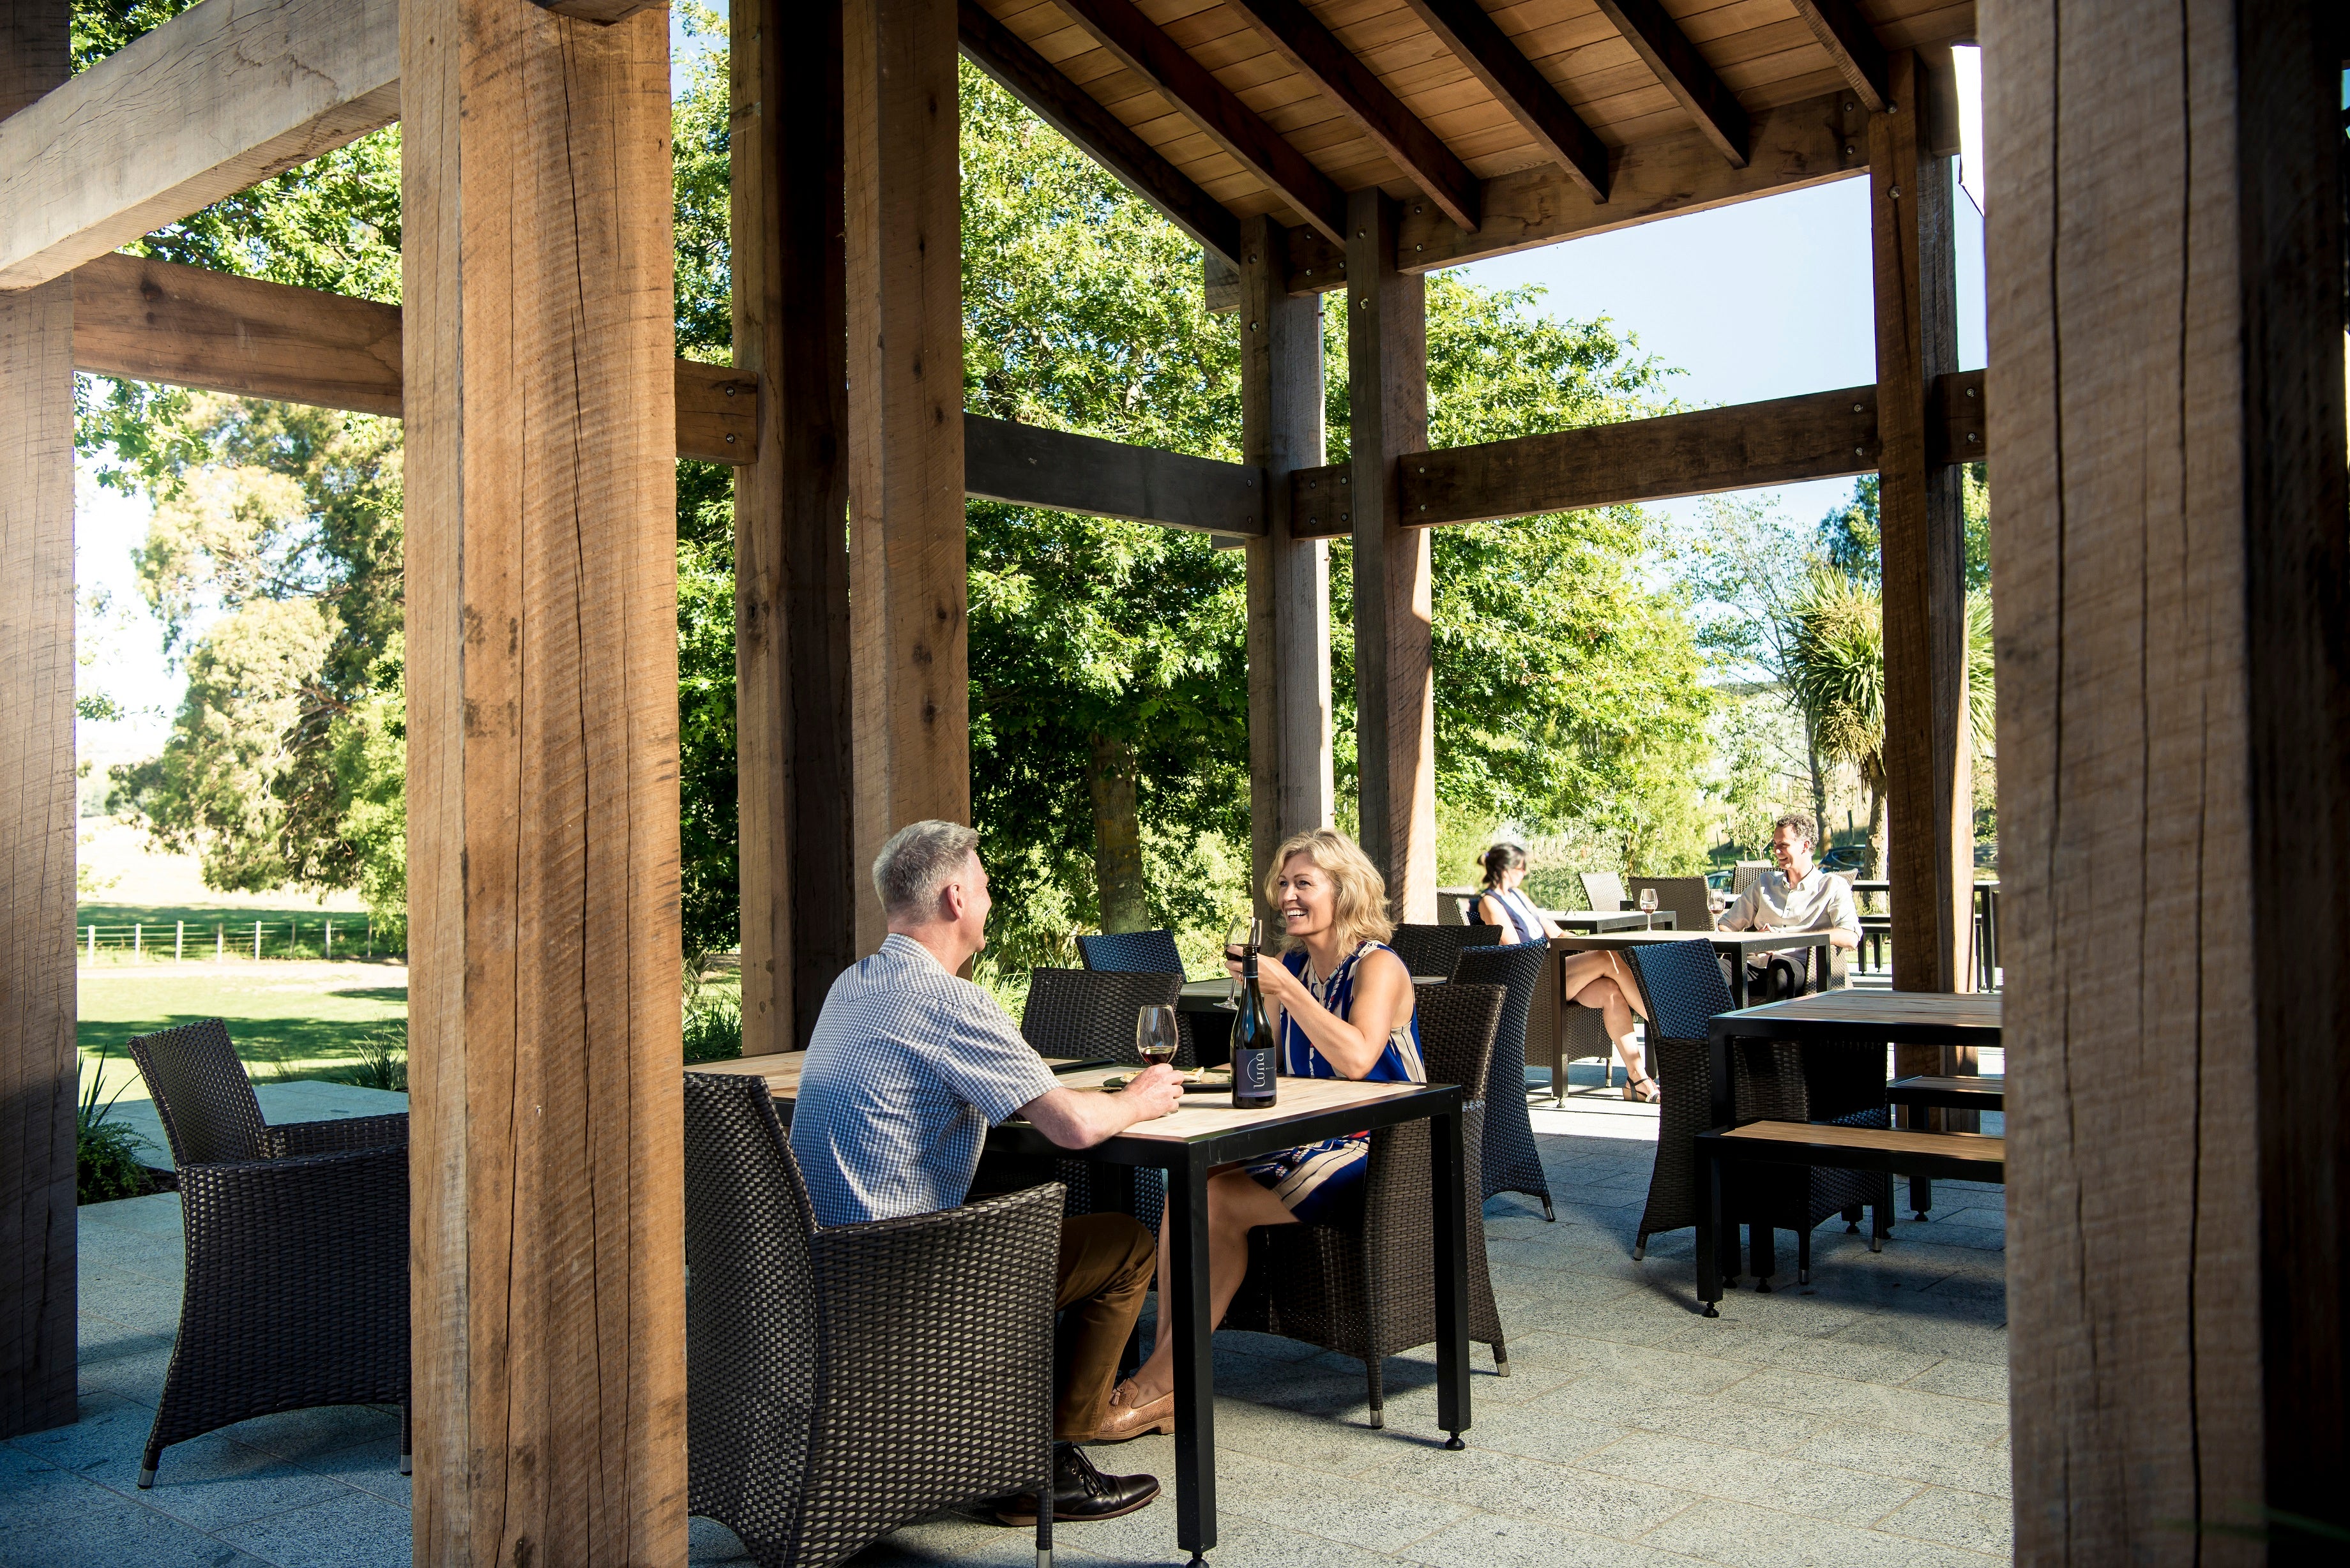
1600, 980
1341, 1002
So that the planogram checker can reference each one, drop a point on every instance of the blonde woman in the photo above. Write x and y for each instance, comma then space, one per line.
1342, 1008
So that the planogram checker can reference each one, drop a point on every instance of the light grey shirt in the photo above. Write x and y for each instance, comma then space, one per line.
906, 1069
1823, 902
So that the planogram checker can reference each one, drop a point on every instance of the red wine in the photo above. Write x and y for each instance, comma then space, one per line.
1252, 1045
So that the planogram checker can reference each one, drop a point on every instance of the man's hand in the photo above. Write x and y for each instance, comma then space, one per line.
1159, 1092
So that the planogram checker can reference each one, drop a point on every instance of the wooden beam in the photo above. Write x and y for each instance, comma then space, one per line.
1394, 682
219, 98
1659, 42
1139, 44
1068, 108
1845, 35
2174, 728
1291, 770
1819, 435
795, 801
908, 640
1929, 797
1028, 465
148, 321
603, 12
1794, 146
1464, 28
545, 1126
39, 1067
1315, 52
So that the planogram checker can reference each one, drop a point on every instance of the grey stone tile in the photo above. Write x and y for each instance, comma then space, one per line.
1528, 1489
1766, 1342
1965, 1338
1555, 1428
371, 1467
1963, 1466
1519, 1543
1965, 1518
1717, 1418
207, 1481
349, 1530
1648, 1366
1749, 1537
1820, 1491
707, 1541
1305, 1441
1966, 1379
97, 1529
1148, 1538
303, 1435
1936, 1415
1379, 1518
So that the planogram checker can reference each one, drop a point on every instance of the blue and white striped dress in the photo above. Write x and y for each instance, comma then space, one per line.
1321, 1183
1520, 910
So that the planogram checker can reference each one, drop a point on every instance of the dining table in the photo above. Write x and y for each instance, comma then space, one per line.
1210, 1132
1593, 921
1740, 947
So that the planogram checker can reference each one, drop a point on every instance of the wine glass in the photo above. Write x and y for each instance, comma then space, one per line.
1648, 905
1236, 945
1157, 1035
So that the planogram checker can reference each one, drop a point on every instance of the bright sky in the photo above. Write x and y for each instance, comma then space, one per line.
1763, 299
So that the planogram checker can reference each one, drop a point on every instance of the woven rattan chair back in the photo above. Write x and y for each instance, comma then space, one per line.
1511, 1161
202, 1094
1603, 891
1090, 1014
1684, 896
1684, 986
1457, 1021
1748, 873
1131, 952
1429, 952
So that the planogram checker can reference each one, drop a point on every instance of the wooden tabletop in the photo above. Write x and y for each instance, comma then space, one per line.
782, 1069
1211, 1115
1923, 1017
1723, 941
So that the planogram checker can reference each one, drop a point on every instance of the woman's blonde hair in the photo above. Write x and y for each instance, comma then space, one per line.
1359, 910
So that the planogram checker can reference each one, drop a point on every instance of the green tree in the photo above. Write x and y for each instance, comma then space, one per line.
1851, 541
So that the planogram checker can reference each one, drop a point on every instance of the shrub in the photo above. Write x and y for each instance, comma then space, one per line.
714, 1027
106, 1153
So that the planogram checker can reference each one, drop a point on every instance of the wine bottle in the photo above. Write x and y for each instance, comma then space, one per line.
1253, 1041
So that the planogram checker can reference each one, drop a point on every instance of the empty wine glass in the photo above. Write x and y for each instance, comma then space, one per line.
1236, 940
1157, 1035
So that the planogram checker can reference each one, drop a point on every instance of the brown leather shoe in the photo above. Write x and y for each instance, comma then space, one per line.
1126, 1420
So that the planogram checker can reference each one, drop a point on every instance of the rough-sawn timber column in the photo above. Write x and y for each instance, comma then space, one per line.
1290, 783
910, 660
547, 1133
39, 1068
2165, 404
1395, 683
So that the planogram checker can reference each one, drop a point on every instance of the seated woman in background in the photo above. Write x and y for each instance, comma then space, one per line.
1601, 980
1341, 1007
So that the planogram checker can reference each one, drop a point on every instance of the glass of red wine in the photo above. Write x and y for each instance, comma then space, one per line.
1157, 1035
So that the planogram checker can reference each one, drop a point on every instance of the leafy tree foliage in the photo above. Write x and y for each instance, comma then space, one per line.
1851, 541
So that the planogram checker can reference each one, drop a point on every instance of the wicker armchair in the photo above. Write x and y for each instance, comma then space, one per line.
1511, 1163
1429, 952
296, 1284
1684, 896
1370, 1293
1090, 1014
1684, 989
1603, 890
841, 1382
1131, 952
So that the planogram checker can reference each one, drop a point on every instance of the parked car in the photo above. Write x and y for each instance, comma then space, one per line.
1845, 857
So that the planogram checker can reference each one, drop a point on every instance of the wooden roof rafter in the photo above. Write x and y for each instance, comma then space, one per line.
1315, 52
1143, 47
1659, 40
1850, 42
1463, 27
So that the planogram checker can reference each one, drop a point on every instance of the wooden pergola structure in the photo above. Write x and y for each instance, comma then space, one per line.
2166, 311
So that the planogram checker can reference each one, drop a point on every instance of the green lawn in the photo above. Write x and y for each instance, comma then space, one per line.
299, 1015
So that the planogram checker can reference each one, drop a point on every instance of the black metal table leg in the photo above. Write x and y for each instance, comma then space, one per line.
1449, 1184
1708, 1228
1195, 1379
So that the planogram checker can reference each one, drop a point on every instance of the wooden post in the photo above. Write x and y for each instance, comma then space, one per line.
1290, 784
2166, 398
39, 1068
546, 1128
909, 644
1395, 684
1930, 789
800, 880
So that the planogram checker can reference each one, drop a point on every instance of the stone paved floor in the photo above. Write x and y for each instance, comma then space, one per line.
1861, 1421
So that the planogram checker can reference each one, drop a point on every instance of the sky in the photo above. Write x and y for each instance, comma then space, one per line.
1763, 299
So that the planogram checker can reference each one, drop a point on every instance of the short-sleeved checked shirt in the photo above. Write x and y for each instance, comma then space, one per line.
906, 1069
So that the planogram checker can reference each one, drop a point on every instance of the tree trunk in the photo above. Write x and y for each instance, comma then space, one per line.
1117, 835
1876, 830
1819, 789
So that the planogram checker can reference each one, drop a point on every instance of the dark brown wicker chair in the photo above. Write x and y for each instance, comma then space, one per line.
1371, 1293
1684, 896
296, 1236
1090, 1014
1131, 952
842, 1382
1511, 1161
1684, 986
1429, 952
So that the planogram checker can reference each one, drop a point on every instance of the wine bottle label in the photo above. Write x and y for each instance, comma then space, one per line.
1252, 1073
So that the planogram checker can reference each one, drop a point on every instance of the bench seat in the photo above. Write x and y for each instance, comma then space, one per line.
1962, 1092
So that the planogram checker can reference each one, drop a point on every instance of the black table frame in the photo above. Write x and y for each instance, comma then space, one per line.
1599, 922
1188, 1165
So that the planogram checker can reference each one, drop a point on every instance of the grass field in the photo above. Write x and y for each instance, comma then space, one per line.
292, 932
290, 1017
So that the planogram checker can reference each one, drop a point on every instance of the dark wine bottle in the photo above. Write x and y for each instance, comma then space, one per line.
1252, 1041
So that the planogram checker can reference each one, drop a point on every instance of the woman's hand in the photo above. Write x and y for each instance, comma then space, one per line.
1281, 988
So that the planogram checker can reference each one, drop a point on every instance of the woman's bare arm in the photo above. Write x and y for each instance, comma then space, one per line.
1489, 908
1383, 1000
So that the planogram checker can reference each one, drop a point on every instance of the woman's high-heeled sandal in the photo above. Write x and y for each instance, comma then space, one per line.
1642, 1089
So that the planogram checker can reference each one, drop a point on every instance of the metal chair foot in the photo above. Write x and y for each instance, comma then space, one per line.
408, 1464
1852, 1229
1920, 1217
1876, 1243
1547, 1213
1710, 1312
1379, 1421
1639, 1249
1762, 1287
1454, 1444
146, 1477
1802, 1276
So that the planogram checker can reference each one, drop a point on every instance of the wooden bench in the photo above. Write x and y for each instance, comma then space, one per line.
1959, 1157
1926, 1092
